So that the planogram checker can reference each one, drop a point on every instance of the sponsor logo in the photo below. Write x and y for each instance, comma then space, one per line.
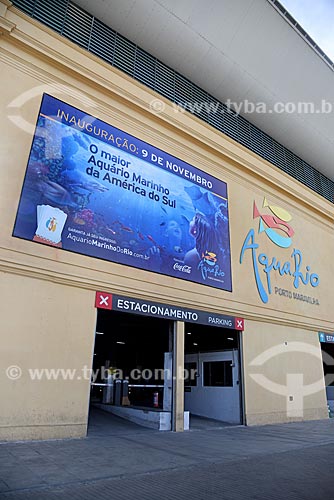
182, 268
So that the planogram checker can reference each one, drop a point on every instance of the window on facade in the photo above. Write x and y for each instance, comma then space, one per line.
190, 374
217, 374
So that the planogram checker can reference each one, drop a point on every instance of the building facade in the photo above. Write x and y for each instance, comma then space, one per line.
86, 143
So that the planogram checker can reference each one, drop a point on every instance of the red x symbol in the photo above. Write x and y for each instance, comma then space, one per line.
103, 300
239, 324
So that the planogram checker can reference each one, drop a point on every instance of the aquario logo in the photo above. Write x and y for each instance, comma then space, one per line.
210, 258
51, 224
275, 224
209, 266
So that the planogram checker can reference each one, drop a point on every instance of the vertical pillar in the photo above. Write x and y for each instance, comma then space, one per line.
241, 359
168, 381
178, 382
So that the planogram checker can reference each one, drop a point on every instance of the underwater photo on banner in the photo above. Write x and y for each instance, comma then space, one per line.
93, 189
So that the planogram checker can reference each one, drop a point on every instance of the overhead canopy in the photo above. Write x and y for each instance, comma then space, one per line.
241, 52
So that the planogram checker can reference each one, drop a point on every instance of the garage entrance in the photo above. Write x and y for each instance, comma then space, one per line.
327, 349
131, 355
142, 349
212, 363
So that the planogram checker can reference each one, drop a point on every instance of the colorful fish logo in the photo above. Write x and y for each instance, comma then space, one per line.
51, 224
209, 258
274, 225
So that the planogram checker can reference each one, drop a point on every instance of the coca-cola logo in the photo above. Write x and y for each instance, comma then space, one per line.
182, 268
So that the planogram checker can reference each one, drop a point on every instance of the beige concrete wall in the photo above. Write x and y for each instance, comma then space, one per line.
44, 325
34, 60
282, 363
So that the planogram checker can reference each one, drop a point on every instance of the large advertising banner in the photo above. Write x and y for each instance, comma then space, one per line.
92, 189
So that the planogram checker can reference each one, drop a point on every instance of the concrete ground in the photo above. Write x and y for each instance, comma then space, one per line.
120, 460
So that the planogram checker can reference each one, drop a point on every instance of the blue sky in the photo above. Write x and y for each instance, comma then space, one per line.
317, 18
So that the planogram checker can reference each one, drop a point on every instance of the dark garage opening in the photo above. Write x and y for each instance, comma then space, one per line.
132, 348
